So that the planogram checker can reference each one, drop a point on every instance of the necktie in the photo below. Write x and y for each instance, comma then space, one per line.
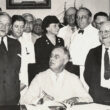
81, 31
3, 45
107, 65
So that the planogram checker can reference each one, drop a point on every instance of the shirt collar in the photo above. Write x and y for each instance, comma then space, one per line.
103, 47
53, 74
87, 28
0, 39
75, 28
19, 39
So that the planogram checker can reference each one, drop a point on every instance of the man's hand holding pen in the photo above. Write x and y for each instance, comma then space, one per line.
45, 97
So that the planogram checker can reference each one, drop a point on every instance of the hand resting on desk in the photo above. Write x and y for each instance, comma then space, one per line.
77, 101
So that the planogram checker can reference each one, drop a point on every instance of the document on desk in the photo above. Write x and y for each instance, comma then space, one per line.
92, 106
37, 107
46, 106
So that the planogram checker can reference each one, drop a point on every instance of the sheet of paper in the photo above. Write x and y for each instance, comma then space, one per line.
92, 106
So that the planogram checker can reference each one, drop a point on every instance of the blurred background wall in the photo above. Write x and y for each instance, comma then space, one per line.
57, 7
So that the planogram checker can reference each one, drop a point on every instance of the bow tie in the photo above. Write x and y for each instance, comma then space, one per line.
73, 29
81, 31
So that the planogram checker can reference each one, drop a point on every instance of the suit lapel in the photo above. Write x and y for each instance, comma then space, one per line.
10, 47
99, 55
98, 59
9, 44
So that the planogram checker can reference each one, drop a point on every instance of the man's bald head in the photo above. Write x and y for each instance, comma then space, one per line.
104, 33
70, 15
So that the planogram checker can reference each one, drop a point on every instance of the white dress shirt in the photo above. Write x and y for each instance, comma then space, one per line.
66, 86
35, 37
104, 83
29, 45
27, 56
80, 46
82, 43
66, 33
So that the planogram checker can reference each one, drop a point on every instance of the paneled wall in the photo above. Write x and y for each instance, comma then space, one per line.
57, 7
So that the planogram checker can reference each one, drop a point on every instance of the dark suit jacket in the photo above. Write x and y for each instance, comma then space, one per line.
92, 75
9, 73
43, 48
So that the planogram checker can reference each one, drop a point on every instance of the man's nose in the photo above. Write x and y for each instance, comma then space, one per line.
52, 58
80, 18
27, 24
3, 27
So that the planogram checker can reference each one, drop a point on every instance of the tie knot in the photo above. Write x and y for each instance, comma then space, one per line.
81, 31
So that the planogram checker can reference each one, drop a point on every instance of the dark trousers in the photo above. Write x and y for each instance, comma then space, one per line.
10, 107
100, 95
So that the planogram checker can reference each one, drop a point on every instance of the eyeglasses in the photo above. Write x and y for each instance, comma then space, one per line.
4, 25
29, 22
72, 16
82, 17
104, 32
99, 23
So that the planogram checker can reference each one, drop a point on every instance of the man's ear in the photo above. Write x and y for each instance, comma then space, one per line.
66, 60
10, 27
47, 28
90, 19
100, 38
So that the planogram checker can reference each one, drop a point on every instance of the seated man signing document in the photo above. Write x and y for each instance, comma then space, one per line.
56, 84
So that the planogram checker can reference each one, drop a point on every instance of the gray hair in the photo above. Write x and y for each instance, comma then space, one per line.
65, 50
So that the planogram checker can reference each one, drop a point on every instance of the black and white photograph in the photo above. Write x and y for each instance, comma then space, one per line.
54, 54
